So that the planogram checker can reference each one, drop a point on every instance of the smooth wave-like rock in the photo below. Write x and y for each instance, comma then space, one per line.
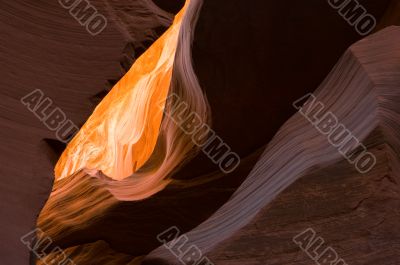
46, 48
362, 92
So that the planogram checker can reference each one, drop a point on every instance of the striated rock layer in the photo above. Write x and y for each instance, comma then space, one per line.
362, 92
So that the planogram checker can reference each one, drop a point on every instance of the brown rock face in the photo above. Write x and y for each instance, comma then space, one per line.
351, 209
44, 47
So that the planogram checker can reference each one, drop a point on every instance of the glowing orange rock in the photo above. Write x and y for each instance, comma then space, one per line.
120, 135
